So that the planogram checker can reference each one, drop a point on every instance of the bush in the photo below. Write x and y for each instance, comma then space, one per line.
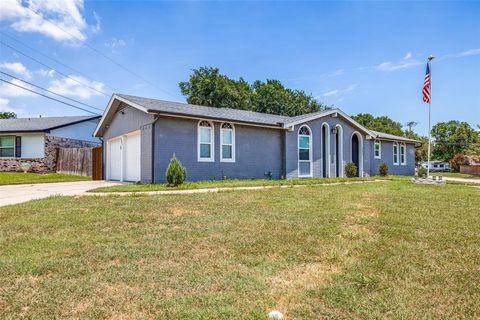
350, 169
383, 169
456, 161
422, 172
176, 173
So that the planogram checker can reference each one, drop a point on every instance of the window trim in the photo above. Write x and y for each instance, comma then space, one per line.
212, 142
327, 149
310, 151
396, 163
222, 159
379, 149
404, 154
14, 146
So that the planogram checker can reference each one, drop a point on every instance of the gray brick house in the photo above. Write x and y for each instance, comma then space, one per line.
140, 136
36, 140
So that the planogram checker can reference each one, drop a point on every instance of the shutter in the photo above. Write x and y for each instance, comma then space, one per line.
18, 147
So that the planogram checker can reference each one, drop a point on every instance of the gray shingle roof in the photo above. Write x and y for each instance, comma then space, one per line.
383, 135
154, 105
185, 109
40, 124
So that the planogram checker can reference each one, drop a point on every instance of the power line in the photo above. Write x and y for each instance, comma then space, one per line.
48, 97
47, 66
53, 59
101, 53
52, 92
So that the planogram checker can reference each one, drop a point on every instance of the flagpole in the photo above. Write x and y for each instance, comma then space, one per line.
430, 58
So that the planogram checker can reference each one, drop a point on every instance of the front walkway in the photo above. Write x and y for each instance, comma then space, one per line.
466, 180
12, 194
219, 189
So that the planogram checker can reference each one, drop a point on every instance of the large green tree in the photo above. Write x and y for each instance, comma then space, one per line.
7, 115
206, 86
452, 137
382, 124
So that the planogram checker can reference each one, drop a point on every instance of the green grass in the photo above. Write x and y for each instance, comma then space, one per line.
456, 175
21, 178
381, 250
234, 183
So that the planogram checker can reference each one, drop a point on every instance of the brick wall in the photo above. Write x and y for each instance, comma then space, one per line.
49, 162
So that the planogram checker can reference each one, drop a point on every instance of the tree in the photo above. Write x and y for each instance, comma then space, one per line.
206, 86
382, 124
421, 153
7, 115
411, 125
452, 137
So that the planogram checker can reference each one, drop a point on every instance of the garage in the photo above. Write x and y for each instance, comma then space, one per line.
123, 157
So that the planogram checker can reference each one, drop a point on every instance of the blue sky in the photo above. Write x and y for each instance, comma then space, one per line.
359, 56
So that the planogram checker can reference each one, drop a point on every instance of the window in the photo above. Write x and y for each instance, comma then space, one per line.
7, 147
395, 153
377, 149
304, 152
403, 154
205, 141
227, 142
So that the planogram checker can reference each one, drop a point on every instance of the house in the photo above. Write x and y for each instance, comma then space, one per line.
470, 165
141, 135
437, 166
36, 140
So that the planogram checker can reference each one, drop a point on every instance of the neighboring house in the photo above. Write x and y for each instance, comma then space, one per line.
140, 136
437, 166
36, 140
471, 165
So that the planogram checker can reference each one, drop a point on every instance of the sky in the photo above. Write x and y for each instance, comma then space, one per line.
362, 57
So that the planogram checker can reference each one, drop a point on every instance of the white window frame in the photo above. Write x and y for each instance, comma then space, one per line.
310, 151
395, 144
222, 159
379, 149
212, 143
404, 154
14, 146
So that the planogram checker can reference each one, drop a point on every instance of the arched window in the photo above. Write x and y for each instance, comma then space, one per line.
304, 152
227, 142
403, 154
395, 153
205, 141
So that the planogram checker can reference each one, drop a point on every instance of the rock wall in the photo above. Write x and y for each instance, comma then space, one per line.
49, 162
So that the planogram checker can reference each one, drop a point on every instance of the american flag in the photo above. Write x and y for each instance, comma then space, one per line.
426, 85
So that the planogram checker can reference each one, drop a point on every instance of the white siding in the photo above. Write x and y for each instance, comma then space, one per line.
80, 131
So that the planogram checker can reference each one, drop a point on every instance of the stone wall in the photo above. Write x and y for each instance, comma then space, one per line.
49, 162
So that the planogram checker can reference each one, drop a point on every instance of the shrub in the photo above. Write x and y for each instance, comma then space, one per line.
176, 173
456, 161
422, 172
383, 169
350, 169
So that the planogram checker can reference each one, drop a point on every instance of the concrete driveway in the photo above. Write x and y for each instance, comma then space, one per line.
12, 194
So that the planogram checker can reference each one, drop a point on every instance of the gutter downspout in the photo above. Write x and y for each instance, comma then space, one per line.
156, 117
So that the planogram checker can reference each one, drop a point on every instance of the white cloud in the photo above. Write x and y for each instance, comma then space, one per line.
466, 53
340, 92
115, 44
70, 87
5, 106
9, 90
406, 62
47, 17
97, 27
46, 73
407, 56
18, 68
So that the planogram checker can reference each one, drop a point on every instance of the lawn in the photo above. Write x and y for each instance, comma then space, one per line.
26, 178
236, 183
389, 249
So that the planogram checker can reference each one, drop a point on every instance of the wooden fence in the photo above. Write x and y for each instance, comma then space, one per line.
81, 161
475, 170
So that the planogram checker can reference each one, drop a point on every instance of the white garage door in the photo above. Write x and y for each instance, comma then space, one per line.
132, 157
114, 157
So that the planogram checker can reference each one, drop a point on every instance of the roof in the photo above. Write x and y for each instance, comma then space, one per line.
164, 107
387, 136
40, 124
